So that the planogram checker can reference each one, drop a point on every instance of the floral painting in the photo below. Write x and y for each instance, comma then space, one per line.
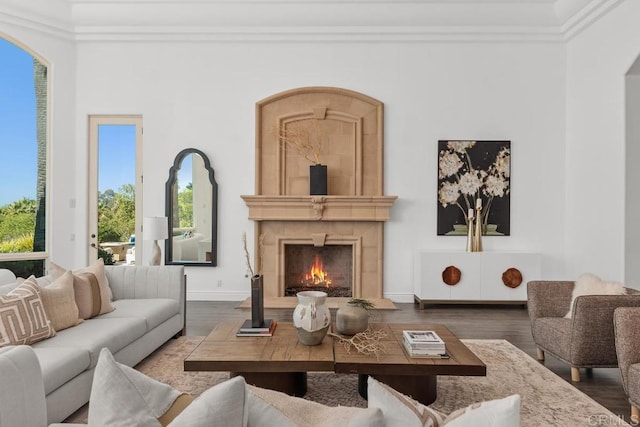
469, 171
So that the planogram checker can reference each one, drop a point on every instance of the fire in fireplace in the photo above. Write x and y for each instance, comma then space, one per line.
317, 276
327, 268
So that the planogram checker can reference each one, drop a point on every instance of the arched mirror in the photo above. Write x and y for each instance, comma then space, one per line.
191, 209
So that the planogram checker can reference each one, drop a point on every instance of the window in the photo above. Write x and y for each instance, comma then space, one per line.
23, 143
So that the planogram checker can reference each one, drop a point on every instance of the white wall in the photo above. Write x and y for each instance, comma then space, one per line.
203, 94
597, 61
56, 48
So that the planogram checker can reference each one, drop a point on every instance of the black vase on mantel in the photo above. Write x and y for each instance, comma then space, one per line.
318, 180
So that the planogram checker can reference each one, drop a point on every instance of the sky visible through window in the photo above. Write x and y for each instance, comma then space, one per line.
116, 156
18, 143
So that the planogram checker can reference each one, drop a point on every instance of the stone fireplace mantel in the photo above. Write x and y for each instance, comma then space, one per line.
319, 208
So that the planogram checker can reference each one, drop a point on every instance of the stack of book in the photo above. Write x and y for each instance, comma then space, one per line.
424, 344
264, 330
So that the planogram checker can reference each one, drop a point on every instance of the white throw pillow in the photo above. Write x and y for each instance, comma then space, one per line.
590, 284
223, 405
399, 410
269, 408
402, 411
493, 413
122, 396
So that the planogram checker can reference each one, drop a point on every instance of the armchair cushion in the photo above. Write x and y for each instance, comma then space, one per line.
590, 284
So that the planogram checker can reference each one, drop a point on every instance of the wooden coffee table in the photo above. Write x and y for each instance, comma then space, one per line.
414, 376
281, 363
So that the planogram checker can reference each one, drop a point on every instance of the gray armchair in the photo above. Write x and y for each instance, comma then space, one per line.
627, 333
586, 340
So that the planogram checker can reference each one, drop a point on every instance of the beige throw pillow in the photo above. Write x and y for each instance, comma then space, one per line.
272, 408
59, 301
23, 319
91, 288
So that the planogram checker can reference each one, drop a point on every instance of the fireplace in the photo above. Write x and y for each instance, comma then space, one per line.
327, 268
350, 218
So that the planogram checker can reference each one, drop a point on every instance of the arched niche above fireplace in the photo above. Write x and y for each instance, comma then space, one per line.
349, 128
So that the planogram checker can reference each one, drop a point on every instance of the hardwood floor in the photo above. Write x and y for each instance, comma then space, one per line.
466, 321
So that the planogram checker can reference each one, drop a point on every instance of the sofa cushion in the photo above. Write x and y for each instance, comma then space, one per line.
122, 396
554, 334
91, 288
6, 288
154, 311
59, 301
23, 319
7, 276
93, 334
61, 364
633, 383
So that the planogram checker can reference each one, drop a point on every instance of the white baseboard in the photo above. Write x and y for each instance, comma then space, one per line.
399, 298
241, 296
216, 296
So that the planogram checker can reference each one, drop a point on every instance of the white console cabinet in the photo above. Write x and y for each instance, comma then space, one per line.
480, 276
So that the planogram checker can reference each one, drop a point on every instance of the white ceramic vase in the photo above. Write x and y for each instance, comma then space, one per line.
311, 317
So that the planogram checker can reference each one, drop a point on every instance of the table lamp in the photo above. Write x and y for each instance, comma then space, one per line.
155, 228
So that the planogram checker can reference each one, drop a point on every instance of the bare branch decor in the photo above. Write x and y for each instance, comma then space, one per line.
368, 342
307, 142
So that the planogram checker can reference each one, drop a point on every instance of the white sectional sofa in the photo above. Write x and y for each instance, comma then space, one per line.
149, 306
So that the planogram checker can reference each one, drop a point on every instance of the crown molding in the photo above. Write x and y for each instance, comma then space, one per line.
49, 17
38, 23
586, 16
321, 34
294, 21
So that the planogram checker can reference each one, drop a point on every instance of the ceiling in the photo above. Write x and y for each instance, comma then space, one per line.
308, 20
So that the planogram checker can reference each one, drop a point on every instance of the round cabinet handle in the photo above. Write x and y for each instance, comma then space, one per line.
93, 236
512, 277
451, 275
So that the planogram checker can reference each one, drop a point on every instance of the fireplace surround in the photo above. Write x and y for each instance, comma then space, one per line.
355, 210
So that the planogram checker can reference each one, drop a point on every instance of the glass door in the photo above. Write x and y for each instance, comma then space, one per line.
115, 188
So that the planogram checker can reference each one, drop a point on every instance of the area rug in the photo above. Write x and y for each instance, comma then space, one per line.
547, 400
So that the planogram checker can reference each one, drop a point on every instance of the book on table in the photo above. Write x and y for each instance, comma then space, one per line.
423, 342
264, 327
426, 354
257, 332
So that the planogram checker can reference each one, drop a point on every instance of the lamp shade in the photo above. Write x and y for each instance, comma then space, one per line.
155, 228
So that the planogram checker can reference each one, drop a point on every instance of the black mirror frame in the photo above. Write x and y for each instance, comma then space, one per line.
173, 175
